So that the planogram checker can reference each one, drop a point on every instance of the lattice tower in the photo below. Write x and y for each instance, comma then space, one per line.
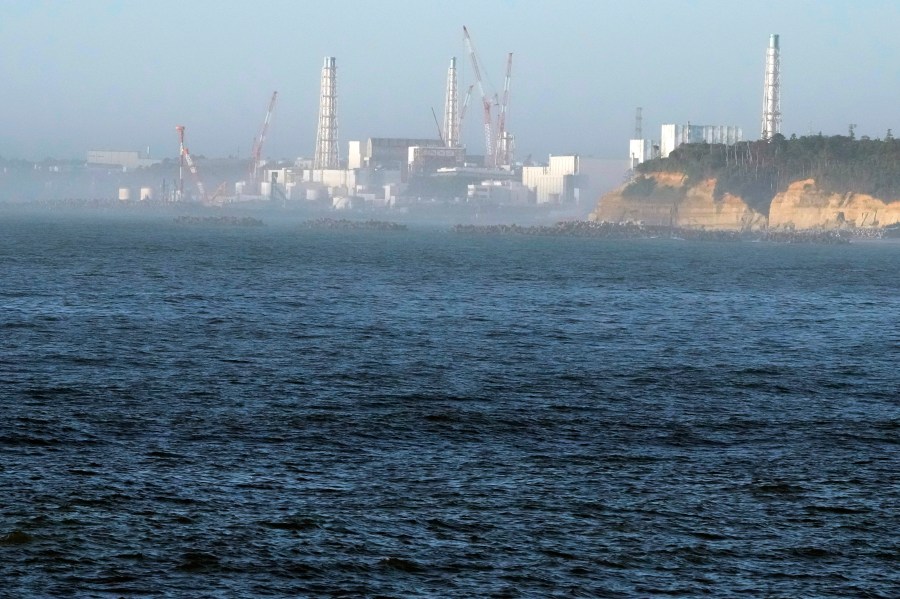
326, 156
771, 116
451, 108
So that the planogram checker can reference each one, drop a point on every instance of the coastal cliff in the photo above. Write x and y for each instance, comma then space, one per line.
815, 182
667, 199
804, 206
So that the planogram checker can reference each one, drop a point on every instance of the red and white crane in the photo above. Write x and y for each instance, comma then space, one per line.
196, 175
185, 158
256, 152
485, 100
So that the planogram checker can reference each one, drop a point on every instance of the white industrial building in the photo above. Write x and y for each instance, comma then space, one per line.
386, 153
124, 159
641, 150
500, 193
424, 160
672, 136
570, 179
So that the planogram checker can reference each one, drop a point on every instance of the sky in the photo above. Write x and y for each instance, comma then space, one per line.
121, 74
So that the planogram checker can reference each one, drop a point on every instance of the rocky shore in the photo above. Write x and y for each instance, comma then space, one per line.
604, 230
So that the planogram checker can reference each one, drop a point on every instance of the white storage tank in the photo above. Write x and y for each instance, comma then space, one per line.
124, 194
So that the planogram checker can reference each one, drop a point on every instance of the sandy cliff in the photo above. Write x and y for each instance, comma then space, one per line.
804, 206
672, 202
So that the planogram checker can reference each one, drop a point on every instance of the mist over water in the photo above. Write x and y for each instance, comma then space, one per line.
282, 412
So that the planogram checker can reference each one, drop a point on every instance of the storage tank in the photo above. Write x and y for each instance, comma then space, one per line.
124, 194
146, 194
265, 189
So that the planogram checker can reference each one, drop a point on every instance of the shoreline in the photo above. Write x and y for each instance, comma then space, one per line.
606, 230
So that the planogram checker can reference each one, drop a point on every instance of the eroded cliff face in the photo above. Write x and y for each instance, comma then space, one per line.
803, 206
672, 203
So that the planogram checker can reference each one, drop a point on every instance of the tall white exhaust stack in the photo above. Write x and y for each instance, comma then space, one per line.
451, 108
326, 156
771, 117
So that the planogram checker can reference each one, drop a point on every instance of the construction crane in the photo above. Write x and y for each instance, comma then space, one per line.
440, 133
465, 104
485, 100
503, 146
193, 168
218, 193
179, 193
256, 152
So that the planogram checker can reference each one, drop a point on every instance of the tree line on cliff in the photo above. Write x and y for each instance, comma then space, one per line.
757, 170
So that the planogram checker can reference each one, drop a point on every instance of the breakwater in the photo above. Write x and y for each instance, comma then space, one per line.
605, 230
352, 225
219, 221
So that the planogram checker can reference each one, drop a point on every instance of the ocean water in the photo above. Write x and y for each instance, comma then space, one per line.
222, 412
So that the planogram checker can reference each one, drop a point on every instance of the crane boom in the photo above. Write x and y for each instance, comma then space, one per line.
256, 153
465, 104
193, 168
440, 133
485, 100
503, 156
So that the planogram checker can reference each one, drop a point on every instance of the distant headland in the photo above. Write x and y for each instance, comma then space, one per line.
828, 183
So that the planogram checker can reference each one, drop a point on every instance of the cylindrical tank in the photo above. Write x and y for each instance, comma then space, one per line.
124, 194
239, 187
146, 193
265, 189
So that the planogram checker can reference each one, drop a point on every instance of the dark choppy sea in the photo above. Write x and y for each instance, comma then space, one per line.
202, 412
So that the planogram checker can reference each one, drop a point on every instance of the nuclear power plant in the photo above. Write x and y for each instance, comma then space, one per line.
383, 172
398, 171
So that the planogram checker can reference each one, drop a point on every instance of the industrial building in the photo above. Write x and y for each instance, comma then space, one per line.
641, 150
387, 153
425, 160
672, 136
500, 193
569, 179
124, 159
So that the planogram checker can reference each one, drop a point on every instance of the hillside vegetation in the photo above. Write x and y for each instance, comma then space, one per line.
757, 170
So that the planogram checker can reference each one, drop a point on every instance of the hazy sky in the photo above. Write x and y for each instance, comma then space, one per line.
120, 74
